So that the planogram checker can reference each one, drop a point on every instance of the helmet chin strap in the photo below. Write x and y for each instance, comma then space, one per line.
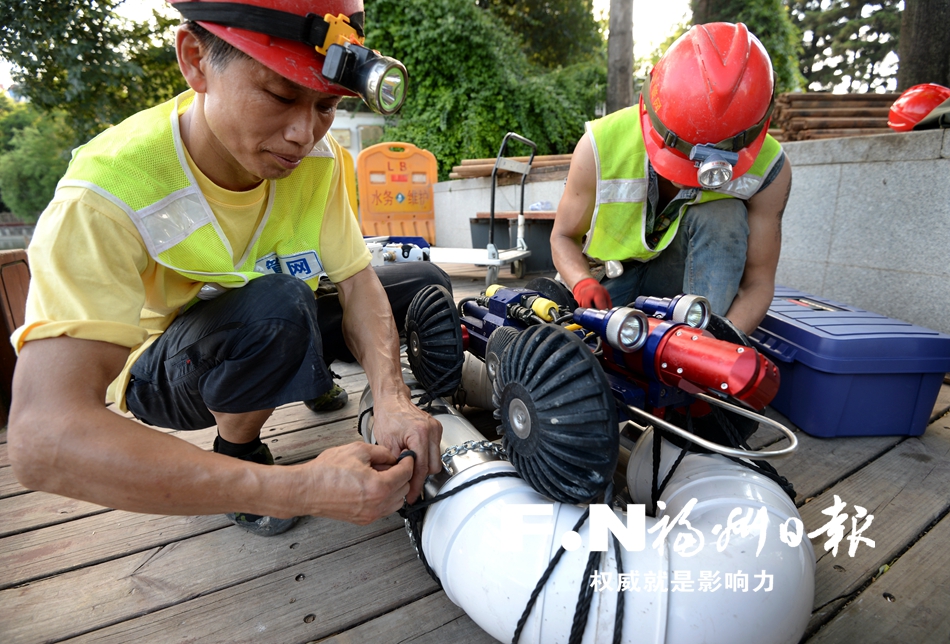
732, 144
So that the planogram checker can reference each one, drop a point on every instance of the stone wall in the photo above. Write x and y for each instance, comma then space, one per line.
868, 224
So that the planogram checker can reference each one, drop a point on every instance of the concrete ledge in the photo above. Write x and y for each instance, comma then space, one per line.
899, 146
868, 224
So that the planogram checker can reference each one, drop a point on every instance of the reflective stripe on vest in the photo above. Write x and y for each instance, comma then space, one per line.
618, 225
140, 166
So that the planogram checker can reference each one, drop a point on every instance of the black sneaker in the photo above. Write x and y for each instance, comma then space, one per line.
254, 523
261, 526
335, 398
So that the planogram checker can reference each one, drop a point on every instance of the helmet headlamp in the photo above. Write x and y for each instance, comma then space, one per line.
715, 166
380, 81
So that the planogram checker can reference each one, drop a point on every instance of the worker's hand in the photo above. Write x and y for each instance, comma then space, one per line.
358, 483
399, 425
590, 294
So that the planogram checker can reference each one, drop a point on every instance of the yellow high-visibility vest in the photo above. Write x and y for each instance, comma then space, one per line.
618, 226
140, 166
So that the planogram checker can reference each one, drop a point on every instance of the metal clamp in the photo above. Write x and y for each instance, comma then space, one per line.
487, 447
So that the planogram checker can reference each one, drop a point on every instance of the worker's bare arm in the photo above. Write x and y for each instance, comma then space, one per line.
765, 242
62, 439
574, 214
371, 335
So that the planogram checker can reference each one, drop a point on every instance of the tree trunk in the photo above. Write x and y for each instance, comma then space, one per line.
700, 11
924, 45
712, 11
620, 56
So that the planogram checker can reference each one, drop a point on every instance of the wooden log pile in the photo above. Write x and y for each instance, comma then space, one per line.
482, 167
821, 115
797, 117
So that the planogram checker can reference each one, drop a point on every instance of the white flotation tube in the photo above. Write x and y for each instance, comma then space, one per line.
490, 543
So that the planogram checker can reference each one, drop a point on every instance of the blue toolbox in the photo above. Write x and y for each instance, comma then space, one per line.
850, 372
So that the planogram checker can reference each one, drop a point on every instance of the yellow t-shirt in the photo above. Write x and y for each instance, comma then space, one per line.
92, 277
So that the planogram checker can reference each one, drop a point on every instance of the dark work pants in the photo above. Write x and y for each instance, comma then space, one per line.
257, 347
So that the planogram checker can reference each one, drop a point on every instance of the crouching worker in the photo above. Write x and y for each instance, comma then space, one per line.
174, 273
683, 193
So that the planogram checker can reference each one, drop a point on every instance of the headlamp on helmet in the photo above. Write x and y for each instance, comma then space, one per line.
715, 165
380, 81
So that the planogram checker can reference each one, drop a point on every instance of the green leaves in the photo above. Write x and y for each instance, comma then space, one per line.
78, 56
555, 33
470, 82
29, 171
846, 41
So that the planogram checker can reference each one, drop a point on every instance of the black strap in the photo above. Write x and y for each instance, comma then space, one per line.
939, 117
310, 29
733, 144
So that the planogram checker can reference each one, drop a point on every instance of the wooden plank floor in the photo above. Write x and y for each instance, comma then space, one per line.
74, 571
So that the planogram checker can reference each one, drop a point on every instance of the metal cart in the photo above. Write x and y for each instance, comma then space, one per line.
490, 256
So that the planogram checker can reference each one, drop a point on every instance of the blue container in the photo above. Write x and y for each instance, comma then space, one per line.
850, 372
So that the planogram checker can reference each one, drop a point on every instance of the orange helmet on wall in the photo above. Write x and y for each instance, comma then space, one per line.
314, 43
915, 104
709, 97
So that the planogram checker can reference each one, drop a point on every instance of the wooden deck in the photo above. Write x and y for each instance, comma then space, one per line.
74, 571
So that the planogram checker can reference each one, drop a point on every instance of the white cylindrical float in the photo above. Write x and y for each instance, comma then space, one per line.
489, 545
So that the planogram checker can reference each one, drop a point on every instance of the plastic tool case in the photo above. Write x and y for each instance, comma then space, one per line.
850, 372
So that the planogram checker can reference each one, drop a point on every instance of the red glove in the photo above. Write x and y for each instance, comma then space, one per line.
591, 295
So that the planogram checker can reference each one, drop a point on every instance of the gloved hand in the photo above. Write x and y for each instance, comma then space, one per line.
591, 295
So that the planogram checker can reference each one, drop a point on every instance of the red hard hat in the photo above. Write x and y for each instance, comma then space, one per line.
713, 83
296, 61
915, 104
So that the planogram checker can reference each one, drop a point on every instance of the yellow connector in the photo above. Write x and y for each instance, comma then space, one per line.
544, 309
339, 33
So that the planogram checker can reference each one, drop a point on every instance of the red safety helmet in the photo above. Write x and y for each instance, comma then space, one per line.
711, 90
293, 59
915, 104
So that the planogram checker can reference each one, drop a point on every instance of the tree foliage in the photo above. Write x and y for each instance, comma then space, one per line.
13, 117
555, 33
79, 57
35, 161
470, 82
846, 42
771, 23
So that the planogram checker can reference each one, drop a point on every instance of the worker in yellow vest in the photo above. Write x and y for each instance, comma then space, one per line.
683, 193
174, 274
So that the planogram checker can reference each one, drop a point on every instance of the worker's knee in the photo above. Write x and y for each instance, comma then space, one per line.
723, 223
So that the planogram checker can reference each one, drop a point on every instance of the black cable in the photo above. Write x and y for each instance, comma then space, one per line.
544, 580
618, 561
414, 520
618, 611
463, 301
584, 598
764, 468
